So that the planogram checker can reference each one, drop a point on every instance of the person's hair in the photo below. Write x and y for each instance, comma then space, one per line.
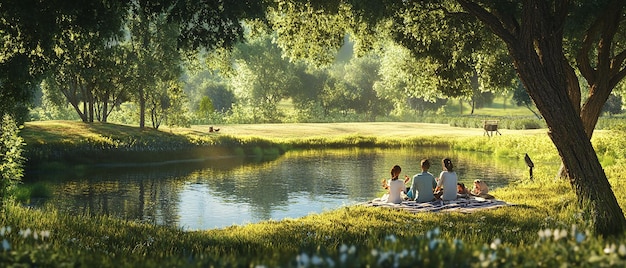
425, 164
395, 172
447, 164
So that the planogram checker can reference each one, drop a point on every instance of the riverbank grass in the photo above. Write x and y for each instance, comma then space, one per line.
545, 228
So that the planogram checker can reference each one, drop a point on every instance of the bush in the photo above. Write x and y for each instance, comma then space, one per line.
11, 162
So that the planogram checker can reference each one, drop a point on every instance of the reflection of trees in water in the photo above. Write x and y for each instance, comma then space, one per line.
131, 196
152, 193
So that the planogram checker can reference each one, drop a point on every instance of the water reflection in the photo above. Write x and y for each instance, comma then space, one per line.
218, 192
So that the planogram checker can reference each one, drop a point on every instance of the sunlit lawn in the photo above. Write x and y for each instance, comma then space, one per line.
379, 129
350, 236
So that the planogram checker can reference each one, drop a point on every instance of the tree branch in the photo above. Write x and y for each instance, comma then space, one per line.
489, 19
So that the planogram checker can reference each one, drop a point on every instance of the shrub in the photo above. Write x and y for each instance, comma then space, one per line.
11, 160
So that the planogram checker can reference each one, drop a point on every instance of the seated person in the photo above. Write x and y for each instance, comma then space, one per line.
480, 188
446, 184
461, 191
395, 186
423, 184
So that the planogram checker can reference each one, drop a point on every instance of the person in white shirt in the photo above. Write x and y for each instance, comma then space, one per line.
396, 186
446, 183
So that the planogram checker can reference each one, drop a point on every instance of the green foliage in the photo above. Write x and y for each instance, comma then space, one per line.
24, 194
11, 159
613, 105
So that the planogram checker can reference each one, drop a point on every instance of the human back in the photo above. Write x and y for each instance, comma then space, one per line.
423, 184
447, 180
396, 186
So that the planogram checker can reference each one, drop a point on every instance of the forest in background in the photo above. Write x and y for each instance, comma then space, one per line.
256, 83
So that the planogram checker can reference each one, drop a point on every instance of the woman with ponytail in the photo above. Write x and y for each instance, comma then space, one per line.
446, 183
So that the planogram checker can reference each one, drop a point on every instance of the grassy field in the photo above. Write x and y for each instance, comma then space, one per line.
546, 228
379, 129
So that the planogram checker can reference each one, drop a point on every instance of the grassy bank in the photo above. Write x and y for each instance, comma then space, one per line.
546, 227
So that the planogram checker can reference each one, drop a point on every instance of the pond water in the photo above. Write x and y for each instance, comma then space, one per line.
219, 192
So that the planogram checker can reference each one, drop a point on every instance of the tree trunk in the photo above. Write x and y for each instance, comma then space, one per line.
541, 66
142, 107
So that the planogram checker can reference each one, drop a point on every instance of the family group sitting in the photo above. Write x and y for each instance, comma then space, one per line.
425, 187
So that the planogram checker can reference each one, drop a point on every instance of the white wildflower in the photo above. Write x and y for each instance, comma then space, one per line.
432, 244
494, 245
343, 248
343, 258
25, 233
436, 232
315, 260
622, 250
609, 249
382, 258
580, 237
303, 259
544, 234
558, 234
404, 253
45, 234
5, 245
330, 262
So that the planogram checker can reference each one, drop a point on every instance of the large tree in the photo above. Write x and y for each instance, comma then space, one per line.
535, 33
541, 36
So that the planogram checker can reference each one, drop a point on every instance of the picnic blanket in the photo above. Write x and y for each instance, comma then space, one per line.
464, 205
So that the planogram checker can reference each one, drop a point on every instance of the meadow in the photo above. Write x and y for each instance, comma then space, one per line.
545, 228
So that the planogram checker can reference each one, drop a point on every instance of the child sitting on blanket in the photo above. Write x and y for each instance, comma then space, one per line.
480, 187
461, 191
395, 186
481, 190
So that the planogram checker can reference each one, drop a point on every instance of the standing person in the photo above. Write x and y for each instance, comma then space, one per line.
446, 182
423, 184
395, 186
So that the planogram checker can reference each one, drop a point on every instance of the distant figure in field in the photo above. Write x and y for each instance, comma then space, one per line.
446, 183
395, 186
423, 184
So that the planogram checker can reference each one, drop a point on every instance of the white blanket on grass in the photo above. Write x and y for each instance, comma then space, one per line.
464, 205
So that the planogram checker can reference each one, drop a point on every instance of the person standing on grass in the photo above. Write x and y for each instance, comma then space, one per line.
395, 186
446, 183
423, 184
